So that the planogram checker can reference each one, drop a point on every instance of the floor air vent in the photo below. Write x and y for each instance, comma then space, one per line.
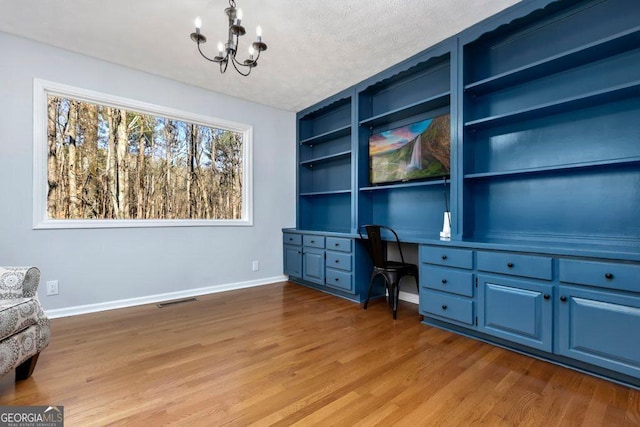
177, 301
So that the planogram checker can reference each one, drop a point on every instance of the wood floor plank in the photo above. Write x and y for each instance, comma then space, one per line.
284, 354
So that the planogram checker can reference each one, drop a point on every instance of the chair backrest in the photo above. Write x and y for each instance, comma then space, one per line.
376, 245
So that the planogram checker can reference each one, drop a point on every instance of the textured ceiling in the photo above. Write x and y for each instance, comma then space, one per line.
316, 48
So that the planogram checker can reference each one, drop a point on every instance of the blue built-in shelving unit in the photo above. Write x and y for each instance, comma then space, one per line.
544, 192
551, 146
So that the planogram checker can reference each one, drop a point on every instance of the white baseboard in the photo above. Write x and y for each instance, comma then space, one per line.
409, 297
150, 299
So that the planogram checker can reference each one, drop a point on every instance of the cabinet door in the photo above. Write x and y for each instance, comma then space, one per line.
516, 310
313, 265
293, 261
600, 328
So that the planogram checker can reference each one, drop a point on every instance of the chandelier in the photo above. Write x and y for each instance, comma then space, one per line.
227, 52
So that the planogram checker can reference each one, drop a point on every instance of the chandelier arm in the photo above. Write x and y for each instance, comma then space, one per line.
224, 70
238, 70
205, 56
242, 64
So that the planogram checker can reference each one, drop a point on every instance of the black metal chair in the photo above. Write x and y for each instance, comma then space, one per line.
390, 271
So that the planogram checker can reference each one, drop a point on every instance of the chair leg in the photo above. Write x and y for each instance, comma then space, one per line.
25, 370
366, 302
395, 289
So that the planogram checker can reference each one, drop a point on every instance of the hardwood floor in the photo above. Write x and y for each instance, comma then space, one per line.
283, 354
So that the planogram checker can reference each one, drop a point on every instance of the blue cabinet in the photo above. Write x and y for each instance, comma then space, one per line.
292, 254
446, 306
446, 284
313, 265
328, 262
516, 310
293, 261
339, 265
600, 328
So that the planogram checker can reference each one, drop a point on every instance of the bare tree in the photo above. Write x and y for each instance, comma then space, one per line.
105, 162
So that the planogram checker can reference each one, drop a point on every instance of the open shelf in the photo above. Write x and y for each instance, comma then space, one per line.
327, 136
422, 106
600, 49
325, 159
569, 166
324, 193
611, 94
404, 185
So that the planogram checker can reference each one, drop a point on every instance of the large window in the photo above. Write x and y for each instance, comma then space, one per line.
104, 161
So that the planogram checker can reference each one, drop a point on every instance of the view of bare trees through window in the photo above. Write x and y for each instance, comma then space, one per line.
108, 163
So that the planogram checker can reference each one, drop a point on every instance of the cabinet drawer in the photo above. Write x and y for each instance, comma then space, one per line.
538, 267
446, 280
292, 239
448, 306
339, 279
339, 260
313, 241
441, 255
604, 274
339, 244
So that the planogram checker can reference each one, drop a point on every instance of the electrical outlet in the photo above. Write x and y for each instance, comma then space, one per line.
52, 287
255, 265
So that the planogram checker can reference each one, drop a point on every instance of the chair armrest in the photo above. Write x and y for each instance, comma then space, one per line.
18, 282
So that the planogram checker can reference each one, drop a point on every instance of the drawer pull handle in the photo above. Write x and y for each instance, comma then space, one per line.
444, 257
313, 241
336, 279
510, 265
337, 244
546, 296
563, 298
291, 239
444, 306
337, 262
608, 276
444, 281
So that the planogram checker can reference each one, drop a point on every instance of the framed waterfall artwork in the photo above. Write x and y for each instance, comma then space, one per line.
419, 151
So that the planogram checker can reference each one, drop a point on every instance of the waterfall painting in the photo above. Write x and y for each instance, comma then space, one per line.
418, 151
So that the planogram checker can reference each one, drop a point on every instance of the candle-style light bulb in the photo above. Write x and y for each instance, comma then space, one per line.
259, 33
198, 24
238, 16
220, 49
251, 52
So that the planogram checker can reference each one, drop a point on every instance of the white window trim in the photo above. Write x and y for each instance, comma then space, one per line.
42, 89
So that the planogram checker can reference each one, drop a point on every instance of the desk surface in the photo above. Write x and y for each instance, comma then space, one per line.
623, 253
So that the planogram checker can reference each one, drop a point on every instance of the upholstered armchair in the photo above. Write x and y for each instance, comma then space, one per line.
24, 328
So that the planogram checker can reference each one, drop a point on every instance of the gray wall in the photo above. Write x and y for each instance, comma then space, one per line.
100, 266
